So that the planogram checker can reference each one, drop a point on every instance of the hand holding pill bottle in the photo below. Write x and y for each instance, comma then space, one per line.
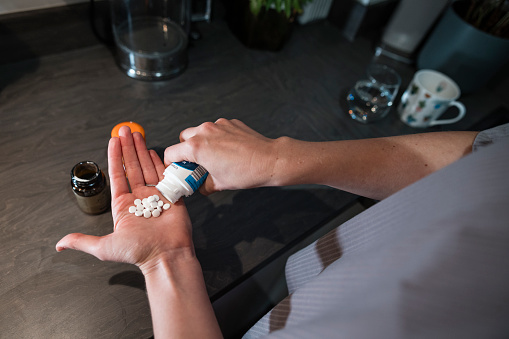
180, 178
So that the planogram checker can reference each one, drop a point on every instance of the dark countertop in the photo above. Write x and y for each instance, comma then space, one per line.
58, 109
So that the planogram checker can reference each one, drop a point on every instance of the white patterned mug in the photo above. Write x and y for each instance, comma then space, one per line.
427, 97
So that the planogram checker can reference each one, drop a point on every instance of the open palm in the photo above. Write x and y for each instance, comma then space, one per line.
135, 240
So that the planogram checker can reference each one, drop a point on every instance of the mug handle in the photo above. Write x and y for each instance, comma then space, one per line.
461, 114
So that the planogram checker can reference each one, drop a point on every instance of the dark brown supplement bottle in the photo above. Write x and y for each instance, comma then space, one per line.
90, 187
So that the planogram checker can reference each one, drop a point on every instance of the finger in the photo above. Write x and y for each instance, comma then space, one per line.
118, 181
208, 187
240, 124
232, 125
223, 121
132, 164
80, 242
147, 166
178, 152
187, 133
158, 164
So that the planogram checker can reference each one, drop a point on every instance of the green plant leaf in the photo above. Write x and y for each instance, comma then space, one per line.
288, 8
278, 6
255, 6
297, 5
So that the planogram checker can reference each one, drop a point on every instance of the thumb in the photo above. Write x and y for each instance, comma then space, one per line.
176, 153
81, 242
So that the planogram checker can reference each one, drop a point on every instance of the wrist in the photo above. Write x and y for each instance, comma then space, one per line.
275, 175
168, 259
290, 161
179, 303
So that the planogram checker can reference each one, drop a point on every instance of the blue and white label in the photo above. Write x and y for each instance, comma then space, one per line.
195, 174
181, 179
197, 178
187, 165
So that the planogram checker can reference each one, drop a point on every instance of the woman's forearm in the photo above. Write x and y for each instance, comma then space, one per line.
238, 157
178, 299
375, 168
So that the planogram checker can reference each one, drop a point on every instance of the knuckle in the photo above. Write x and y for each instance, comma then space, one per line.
222, 121
206, 126
193, 144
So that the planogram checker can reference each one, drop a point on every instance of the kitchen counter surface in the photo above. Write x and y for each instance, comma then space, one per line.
59, 109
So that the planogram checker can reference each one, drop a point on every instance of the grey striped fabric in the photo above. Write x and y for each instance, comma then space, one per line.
430, 261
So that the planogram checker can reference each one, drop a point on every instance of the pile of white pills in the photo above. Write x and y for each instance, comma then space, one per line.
148, 207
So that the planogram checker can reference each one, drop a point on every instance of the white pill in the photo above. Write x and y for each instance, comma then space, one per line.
137, 202
166, 206
132, 209
156, 213
160, 203
156, 197
150, 199
154, 204
147, 214
159, 208
139, 207
138, 213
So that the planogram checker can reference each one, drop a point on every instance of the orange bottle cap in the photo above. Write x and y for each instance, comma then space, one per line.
135, 127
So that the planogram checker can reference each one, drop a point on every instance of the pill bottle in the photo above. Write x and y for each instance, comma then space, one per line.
181, 179
90, 187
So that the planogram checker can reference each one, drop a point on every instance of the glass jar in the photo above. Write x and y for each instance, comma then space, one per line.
90, 187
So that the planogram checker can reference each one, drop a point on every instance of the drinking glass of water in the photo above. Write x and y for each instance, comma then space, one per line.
371, 99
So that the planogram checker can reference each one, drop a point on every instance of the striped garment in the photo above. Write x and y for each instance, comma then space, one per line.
431, 261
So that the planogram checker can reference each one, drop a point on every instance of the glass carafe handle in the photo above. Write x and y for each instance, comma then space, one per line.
205, 16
